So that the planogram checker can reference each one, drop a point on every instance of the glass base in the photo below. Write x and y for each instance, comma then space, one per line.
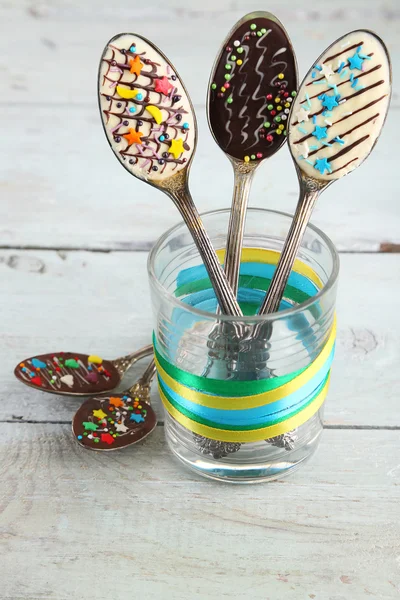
252, 463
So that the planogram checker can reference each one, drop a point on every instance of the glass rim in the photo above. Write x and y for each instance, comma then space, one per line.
282, 314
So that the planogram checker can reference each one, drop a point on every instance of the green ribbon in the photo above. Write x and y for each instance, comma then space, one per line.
222, 387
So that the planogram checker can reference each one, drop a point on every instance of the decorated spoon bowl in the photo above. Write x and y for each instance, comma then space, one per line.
75, 374
334, 125
151, 127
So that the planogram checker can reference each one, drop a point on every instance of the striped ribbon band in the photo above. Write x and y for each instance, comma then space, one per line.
245, 411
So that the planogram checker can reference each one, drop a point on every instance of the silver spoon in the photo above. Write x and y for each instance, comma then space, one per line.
334, 125
251, 88
151, 126
75, 374
120, 420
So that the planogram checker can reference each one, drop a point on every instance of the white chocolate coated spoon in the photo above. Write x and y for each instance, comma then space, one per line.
335, 122
151, 126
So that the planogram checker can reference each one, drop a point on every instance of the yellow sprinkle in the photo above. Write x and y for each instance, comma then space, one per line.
93, 358
279, 131
140, 406
281, 126
247, 159
281, 76
287, 104
279, 108
223, 89
239, 62
277, 99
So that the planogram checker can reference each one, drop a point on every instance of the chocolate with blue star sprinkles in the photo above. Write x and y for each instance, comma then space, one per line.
252, 87
341, 106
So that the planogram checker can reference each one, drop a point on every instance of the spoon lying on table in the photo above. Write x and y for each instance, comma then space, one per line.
120, 420
334, 125
75, 374
151, 127
252, 85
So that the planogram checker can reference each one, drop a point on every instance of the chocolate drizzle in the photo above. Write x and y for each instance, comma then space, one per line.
113, 422
155, 150
256, 66
357, 80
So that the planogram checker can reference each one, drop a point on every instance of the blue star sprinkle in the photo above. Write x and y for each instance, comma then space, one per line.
322, 164
320, 132
330, 101
136, 418
356, 62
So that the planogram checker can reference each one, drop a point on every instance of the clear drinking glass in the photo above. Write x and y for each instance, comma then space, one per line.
286, 355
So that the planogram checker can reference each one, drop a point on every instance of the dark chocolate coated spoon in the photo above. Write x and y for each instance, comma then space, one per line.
74, 374
117, 421
252, 86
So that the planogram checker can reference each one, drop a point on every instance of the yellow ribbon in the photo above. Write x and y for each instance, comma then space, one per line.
243, 402
255, 435
271, 257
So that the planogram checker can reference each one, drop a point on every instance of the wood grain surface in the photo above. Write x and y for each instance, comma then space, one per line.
74, 235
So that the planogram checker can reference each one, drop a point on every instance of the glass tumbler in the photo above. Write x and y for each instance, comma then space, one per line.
243, 396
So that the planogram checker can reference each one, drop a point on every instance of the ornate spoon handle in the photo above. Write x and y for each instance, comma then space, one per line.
308, 196
145, 380
243, 173
124, 363
179, 193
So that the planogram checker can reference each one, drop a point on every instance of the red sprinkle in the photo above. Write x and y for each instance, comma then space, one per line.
36, 380
286, 94
269, 96
259, 155
273, 112
227, 86
228, 49
269, 138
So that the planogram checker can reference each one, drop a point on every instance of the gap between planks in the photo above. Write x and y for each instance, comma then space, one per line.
161, 424
383, 248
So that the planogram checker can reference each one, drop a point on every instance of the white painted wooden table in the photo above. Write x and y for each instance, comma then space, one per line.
74, 234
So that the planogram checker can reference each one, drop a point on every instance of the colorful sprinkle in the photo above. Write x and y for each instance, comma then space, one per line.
322, 165
320, 132
339, 140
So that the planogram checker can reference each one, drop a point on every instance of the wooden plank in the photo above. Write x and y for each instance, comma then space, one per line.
99, 302
63, 60
66, 189
135, 524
